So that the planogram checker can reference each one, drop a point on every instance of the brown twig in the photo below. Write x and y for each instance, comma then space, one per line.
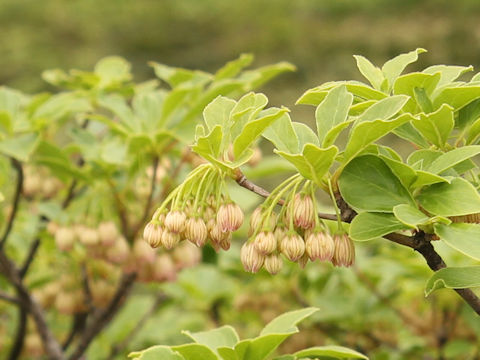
17, 345
51, 345
87, 289
121, 209
16, 200
9, 298
30, 256
78, 324
103, 317
420, 242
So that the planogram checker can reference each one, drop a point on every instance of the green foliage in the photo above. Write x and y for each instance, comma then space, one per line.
224, 344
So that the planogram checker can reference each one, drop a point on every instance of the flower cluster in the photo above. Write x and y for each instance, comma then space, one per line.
296, 232
200, 211
39, 183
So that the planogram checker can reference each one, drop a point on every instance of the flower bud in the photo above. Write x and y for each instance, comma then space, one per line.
164, 268
293, 246
52, 227
107, 232
66, 303
143, 252
33, 346
255, 220
226, 243
319, 245
102, 292
175, 221
196, 231
87, 236
256, 157
251, 259
186, 255
118, 252
170, 239
65, 238
265, 242
230, 217
217, 235
303, 211
152, 234
344, 254
302, 262
273, 263
31, 185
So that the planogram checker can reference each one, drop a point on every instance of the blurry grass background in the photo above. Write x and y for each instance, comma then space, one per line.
318, 36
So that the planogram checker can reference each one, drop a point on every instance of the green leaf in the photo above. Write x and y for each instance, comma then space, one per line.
286, 322
282, 134
258, 77
468, 114
384, 109
411, 84
20, 147
56, 160
452, 158
454, 278
462, 237
305, 135
437, 126
272, 335
176, 76
218, 113
448, 73
362, 91
227, 353
209, 145
457, 97
423, 158
367, 132
111, 70
254, 128
119, 107
329, 352
147, 107
367, 226
425, 178
114, 152
224, 336
233, 68
368, 184
195, 352
372, 73
457, 198
394, 67
333, 133
410, 215
245, 110
409, 133
405, 173
313, 163
155, 353
332, 111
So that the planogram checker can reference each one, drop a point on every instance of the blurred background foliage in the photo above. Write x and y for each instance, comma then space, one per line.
377, 308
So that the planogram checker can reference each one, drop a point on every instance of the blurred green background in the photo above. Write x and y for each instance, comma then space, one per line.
316, 35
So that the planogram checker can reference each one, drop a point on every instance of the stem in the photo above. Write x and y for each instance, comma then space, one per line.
337, 210
16, 200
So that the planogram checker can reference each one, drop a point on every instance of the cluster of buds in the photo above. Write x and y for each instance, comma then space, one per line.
105, 244
200, 213
39, 183
296, 233
155, 265
103, 241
